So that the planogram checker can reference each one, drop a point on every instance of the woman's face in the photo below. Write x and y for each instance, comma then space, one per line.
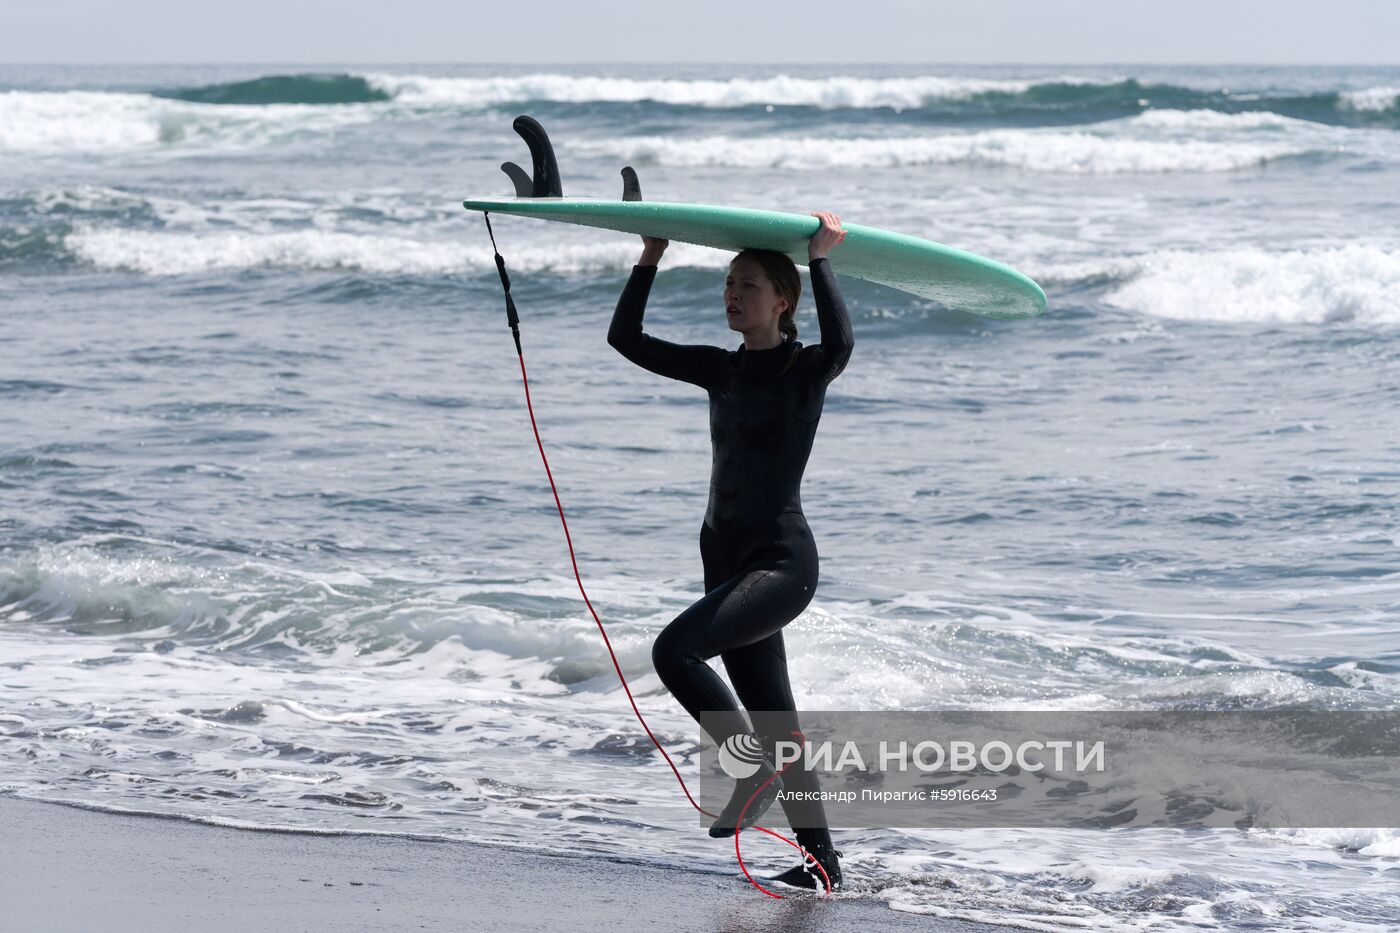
750, 300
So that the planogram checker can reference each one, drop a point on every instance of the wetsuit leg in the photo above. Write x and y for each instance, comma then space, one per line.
682, 648
759, 674
758, 579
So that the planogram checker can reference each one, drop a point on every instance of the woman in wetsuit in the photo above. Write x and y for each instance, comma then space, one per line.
759, 557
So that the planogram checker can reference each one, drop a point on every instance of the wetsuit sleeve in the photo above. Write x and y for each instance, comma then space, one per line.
835, 323
690, 363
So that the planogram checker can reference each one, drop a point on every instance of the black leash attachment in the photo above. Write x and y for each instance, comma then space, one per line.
512, 317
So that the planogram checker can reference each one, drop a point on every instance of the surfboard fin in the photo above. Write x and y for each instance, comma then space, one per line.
545, 179
518, 176
631, 187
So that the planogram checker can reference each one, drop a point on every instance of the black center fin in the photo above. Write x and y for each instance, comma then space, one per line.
546, 182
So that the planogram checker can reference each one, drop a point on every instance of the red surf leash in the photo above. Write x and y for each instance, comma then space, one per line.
513, 319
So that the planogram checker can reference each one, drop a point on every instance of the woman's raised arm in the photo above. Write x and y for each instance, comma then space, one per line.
832, 319
693, 363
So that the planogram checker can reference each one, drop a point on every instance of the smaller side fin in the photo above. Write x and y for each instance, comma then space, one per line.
631, 187
519, 178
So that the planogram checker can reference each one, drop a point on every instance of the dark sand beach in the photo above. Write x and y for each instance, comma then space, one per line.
72, 870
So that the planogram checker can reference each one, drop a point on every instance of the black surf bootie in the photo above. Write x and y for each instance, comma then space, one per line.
744, 788
820, 849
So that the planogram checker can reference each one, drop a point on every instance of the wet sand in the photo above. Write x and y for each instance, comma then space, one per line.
65, 869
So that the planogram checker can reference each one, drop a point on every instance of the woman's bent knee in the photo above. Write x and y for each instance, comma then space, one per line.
672, 651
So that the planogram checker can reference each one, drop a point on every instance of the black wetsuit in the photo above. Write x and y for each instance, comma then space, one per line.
759, 557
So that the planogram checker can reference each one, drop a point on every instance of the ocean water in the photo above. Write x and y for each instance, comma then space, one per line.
276, 548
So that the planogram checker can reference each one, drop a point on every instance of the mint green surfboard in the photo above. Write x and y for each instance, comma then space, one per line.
952, 277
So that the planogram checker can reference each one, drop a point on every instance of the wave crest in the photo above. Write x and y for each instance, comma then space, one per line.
1352, 284
1373, 99
284, 89
1076, 153
1058, 99
830, 92
164, 253
99, 121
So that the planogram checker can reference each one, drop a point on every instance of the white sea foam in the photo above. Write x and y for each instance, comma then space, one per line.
1215, 120
1371, 98
1381, 841
1030, 150
736, 92
78, 120
92, 121
79, 572
1117, 877
1355, 283
186, 253
181, 253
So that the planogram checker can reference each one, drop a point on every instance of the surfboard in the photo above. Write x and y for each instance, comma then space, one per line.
952, 277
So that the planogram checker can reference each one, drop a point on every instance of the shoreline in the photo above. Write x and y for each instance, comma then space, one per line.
69, 868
